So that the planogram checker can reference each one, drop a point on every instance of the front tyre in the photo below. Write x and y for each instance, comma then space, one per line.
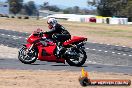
27, 57
78, 61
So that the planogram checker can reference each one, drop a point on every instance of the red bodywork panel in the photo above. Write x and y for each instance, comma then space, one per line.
74, 39
50, 57
32, 38
49, 50
27, 45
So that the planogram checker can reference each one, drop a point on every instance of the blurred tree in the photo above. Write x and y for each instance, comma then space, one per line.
68, 10
30, 8
126, 9
15, 6
72, 10
94, 2
120, 8
54, 8
103, 8
46, 6
76, 10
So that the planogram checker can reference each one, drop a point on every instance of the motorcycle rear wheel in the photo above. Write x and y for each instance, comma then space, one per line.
79, 63
26, 59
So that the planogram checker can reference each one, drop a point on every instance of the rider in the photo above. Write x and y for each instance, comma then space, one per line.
58, 34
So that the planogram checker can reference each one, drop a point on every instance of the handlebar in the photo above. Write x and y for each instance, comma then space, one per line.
39, 33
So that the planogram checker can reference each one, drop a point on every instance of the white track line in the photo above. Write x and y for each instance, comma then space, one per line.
119, 53
2, 34
20, 37
106, 51
92, 62
87, 48
94, 42
116, 45
15, 38
123, 46
99, 50
110, 44
113, 52
101, 43
124, 54
107, 44
94, 49
89, 61
130, 55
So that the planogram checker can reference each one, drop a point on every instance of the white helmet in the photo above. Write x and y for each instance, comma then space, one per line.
52, 21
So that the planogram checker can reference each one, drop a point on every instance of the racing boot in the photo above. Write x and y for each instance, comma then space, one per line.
60, 50
58, 53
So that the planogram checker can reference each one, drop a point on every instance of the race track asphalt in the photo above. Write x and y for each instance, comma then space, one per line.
101, 57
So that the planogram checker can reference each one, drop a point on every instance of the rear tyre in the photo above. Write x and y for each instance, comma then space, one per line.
26, 58
78, 62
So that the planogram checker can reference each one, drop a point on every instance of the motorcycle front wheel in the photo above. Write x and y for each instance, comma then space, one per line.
78, 61
27, 57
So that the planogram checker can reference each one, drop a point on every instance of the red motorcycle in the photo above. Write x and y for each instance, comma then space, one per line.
41, 48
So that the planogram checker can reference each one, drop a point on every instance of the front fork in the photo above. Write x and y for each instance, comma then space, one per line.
29, 48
